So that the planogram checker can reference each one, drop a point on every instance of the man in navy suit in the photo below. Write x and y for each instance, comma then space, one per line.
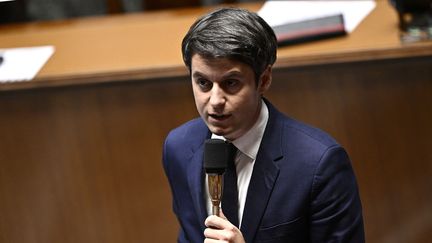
295, 183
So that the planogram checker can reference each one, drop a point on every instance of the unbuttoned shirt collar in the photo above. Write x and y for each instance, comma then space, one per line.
250, 142
248, 146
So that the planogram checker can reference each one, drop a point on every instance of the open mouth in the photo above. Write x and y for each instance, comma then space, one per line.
218, 117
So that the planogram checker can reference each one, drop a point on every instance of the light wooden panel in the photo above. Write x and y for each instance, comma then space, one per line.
147, 45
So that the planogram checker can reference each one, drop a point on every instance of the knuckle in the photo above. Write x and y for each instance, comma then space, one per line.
229, 235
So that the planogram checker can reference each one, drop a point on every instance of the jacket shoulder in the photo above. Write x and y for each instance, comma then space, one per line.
311, 134
190, 134
296, 133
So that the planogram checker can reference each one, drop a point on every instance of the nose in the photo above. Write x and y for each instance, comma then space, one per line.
217, 96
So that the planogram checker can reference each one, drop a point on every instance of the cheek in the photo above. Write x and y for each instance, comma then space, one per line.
248, 100
196, 92
199, 101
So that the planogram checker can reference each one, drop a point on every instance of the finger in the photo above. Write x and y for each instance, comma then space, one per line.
211, 241
214, 221
220, 235
219, 228
222, 215
211, 233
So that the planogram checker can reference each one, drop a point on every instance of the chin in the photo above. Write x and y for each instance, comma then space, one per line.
218, 131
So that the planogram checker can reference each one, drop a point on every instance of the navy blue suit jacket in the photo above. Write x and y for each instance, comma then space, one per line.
302, 188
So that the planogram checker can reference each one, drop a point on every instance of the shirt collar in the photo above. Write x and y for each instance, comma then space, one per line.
249, 143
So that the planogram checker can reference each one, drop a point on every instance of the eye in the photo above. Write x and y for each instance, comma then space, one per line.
232, 85
231, 82
204, 84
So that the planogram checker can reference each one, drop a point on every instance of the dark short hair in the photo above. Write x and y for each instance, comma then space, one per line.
232, 33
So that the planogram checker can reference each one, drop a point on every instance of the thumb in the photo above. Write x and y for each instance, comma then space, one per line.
222, 215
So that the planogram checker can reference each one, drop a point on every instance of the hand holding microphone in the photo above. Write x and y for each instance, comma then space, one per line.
216, 157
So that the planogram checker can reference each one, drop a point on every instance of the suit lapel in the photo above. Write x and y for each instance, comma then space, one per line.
195, 180
264, 176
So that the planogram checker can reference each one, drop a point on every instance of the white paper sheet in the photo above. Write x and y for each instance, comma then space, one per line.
22, 64
281, 12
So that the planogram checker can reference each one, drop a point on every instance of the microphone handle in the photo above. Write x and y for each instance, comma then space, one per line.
216, 210
215, 186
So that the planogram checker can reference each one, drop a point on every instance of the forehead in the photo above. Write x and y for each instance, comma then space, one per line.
218, 64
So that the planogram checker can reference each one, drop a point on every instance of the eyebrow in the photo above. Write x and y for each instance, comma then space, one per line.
229, 74
233, 73
198, 75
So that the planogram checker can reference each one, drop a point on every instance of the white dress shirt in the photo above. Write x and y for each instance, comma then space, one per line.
247, 146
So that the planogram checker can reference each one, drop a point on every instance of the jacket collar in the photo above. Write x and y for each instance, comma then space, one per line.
196, 174
264, 175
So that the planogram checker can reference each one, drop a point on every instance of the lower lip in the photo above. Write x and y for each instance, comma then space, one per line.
218, 119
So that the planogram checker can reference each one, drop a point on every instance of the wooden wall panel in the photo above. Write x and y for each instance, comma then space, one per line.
381, 112
83, 163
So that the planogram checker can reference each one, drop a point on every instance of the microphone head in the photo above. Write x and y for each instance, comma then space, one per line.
216, 156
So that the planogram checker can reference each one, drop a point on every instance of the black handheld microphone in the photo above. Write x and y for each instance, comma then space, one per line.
216, 157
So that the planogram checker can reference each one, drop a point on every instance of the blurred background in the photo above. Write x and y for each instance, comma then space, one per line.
31, 10
81, 143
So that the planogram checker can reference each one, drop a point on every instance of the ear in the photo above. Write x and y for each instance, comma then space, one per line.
265, 80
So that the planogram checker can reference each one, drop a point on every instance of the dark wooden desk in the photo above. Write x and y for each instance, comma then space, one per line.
80, 145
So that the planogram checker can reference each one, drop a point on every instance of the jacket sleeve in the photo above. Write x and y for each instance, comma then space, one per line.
336, 213
167, 162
